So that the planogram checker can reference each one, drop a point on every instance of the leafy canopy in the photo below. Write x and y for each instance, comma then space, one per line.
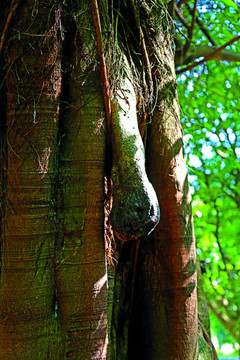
209, 98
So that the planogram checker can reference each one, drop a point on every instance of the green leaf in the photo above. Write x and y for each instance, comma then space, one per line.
230, 3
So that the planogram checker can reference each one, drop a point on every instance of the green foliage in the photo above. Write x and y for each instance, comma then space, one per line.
230, 3
210, 116
223, 338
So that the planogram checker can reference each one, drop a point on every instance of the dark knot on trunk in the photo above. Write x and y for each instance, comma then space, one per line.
135, 208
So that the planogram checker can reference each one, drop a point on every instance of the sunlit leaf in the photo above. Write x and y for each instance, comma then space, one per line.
230, 3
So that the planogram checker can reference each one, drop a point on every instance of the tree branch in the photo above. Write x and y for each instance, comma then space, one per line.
180, 17
205, 31
216, 233
211, 56
103, 70
197, 20
105, 86
190, 29
202, 51
224, 319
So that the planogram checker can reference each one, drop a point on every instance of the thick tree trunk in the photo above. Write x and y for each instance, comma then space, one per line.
53, 279
27, 324
81, 278
53, 290
165, 296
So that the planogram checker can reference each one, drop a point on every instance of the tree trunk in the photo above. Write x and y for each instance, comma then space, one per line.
81, 277
28, 328
165, 324
53, 290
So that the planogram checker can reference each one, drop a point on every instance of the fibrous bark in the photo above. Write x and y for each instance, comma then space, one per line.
165, 296
81, 277
28, 327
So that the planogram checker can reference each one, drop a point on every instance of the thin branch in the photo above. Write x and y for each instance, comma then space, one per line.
224, 319
103, 69
190, 30
216, 233
6, 26
106, 94
205, 31
180, 17
208, 57
196, 52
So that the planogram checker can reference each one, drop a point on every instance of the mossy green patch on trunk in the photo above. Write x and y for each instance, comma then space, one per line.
135, 208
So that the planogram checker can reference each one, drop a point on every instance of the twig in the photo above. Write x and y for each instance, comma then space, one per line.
190, 29
208, 57
193, 20
202, 28
6, 26
216, 233
181, 18
205, 31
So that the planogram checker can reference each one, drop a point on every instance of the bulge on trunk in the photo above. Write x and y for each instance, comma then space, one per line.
135, 209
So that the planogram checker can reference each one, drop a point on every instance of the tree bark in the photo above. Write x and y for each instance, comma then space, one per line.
28, 327
81, 277
53, 292
165, 296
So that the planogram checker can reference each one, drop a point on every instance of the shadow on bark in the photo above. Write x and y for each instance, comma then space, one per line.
153, 320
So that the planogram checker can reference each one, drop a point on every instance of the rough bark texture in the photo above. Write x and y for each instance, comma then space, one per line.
81, 278
53, 289
27, 323
165, 297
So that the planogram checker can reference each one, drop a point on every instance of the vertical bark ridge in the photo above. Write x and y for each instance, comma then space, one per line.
81, 278
165, 302
27, 323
